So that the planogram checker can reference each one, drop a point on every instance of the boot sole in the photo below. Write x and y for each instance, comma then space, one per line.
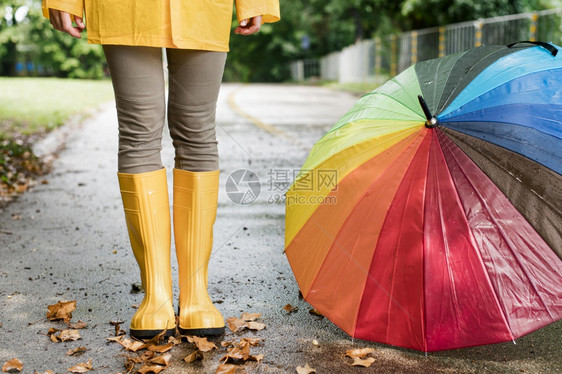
202, 332
149, 334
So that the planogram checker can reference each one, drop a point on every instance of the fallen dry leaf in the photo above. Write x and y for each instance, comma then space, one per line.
255, 325
78, 325
83, 367
51, 332
129, 364
359, 352
131, 345
45, 372
145, 356
306, 369
315, 312
119, 332
161, 360
61, 311
248, 317
194, 356
238, 353
115, 338
147, 368
363, 362
238, 324
131, 361
235, 324
257, 358
241, 351
13, 365
226, 369
157, 339
69, 335
252, 341
290, 309
63, 335
202, 343
174, 340
76, 351
161, 348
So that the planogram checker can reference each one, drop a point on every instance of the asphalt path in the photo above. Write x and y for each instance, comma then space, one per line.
66, 240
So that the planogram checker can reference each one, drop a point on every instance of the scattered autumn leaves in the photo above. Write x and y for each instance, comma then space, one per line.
153, 356
246, 321
18, 167
359, 356
61, 311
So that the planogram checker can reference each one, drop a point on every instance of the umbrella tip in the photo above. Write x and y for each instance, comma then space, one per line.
431, 120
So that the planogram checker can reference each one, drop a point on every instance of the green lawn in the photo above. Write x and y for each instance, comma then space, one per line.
30, 105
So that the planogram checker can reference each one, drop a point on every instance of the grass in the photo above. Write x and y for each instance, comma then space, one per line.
29, 107
36, 105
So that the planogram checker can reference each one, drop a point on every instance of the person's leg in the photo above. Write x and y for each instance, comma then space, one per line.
138, 82
137, 76
194, 83
194, 78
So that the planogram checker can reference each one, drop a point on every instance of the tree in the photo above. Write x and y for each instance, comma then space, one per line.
26, 36
427, 13
10, 35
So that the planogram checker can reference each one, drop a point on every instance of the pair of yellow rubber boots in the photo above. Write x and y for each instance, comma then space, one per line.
147, 211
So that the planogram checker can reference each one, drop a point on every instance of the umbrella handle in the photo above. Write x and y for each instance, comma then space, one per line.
431, 120
549, 47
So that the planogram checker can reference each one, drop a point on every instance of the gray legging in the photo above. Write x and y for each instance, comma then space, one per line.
138, 82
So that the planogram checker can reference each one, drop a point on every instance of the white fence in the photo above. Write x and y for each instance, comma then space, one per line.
376, 59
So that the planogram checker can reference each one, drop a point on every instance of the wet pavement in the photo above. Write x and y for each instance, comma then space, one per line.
66, 240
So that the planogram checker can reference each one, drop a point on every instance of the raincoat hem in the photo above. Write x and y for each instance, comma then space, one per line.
159, 43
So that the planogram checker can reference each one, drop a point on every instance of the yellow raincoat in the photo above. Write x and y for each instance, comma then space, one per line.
186, 24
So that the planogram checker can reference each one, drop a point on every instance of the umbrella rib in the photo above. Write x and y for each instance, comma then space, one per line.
501, 231
435, 101
508, 172
404, 89
448, 101
447, 249
362, 268
390, 111
509, 138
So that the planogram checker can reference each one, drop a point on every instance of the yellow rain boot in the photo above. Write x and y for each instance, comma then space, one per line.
147, 211
195, 210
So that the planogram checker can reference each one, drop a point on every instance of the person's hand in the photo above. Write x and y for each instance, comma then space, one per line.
61, 21
249, 27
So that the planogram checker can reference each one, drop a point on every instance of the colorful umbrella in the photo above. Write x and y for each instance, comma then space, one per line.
430, 215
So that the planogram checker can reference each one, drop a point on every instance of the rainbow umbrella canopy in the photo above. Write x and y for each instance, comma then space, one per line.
430, 216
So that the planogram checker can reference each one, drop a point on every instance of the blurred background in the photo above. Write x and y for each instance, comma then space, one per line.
388, 36
48, 78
